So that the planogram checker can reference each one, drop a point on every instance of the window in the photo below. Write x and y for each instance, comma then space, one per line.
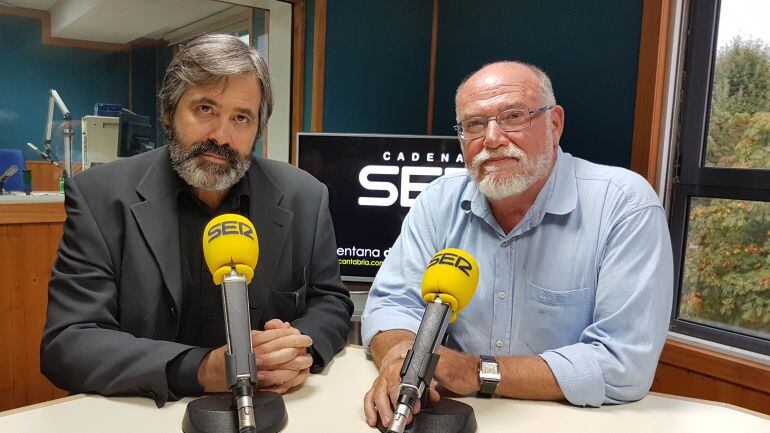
720, 221
235, 20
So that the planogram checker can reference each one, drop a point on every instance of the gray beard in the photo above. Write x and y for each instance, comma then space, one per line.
497, 186
202, 174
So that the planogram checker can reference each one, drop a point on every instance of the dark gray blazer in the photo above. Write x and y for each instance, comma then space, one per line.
115, 290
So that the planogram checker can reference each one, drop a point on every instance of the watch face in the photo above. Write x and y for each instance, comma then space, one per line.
489, 372
488, 368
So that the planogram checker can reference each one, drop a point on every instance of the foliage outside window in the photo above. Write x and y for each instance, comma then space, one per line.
727, 274
727, 266
720, 213
739, 123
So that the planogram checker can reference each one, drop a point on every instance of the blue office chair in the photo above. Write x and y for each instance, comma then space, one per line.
9, 157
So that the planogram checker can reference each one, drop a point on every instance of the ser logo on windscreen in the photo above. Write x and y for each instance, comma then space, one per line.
458, 261
229, 228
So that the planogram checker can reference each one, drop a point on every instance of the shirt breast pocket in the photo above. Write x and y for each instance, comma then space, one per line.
554, 318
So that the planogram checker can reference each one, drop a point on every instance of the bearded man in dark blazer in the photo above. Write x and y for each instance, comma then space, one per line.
132, 307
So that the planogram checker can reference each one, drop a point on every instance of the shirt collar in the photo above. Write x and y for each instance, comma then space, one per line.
237, 199
558, 196
563, 200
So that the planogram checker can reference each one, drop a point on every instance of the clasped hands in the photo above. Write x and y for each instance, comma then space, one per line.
283, 361
456, 372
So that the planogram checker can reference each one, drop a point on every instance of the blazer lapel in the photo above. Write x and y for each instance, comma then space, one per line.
158, 220
271, 221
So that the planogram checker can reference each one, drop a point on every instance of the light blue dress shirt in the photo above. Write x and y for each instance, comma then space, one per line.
585, 279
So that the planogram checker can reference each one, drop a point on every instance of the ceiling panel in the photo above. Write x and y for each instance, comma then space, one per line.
42, 5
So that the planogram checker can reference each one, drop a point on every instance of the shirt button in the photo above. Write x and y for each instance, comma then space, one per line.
501, 295
504, 244
499, 343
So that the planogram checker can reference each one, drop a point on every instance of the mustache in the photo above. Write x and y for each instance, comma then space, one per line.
208, 146
510, 151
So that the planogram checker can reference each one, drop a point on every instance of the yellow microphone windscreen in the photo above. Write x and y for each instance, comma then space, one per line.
230, 240
451, 275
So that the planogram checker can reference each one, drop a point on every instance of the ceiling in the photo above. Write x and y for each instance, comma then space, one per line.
120, 21
42, 5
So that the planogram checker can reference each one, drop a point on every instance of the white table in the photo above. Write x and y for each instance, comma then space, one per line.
332, 402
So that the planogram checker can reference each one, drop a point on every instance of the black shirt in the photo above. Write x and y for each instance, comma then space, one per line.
201, 321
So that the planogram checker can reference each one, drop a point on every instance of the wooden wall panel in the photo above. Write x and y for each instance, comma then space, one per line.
37, 272
24, 213
675, 380
650, 88
6, 322
13, 268
319, 66
45, 177
695, 372
432, 76
27, 252
298, 74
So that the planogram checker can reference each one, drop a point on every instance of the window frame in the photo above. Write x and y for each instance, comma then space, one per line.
227, 21
693, 179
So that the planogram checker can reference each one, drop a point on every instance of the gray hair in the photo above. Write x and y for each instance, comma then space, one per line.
208, 59
546, 88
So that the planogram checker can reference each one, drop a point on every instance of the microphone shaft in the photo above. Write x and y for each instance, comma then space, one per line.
420, 361
240, 362
432, 329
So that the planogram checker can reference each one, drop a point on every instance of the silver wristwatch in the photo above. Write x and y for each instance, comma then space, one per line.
489, 376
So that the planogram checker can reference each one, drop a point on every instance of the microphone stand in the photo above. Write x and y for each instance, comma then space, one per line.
48, 157
55, 100
237, 412
445, 415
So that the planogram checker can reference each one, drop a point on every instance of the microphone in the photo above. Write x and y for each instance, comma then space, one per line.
231, 250
447, 287
8, 173
45, 155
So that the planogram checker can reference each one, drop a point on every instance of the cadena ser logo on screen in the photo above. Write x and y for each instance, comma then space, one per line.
456, 260
230, 228
404, 187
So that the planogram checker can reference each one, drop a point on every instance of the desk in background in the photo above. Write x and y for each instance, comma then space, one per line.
332, 402
30, 230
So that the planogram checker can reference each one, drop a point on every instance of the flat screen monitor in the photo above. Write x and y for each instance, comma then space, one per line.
373, 180
134, 134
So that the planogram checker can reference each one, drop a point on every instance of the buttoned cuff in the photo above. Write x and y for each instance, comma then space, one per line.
579, 375
182, 372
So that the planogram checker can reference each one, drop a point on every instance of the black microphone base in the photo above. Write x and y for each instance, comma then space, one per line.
216, 414
443, 416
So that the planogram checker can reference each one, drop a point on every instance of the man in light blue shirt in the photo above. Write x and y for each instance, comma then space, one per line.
575, 264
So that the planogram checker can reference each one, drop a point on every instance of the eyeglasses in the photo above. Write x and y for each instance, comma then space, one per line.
515, 119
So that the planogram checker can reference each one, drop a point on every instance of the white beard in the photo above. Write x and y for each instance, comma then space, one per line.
497, 184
